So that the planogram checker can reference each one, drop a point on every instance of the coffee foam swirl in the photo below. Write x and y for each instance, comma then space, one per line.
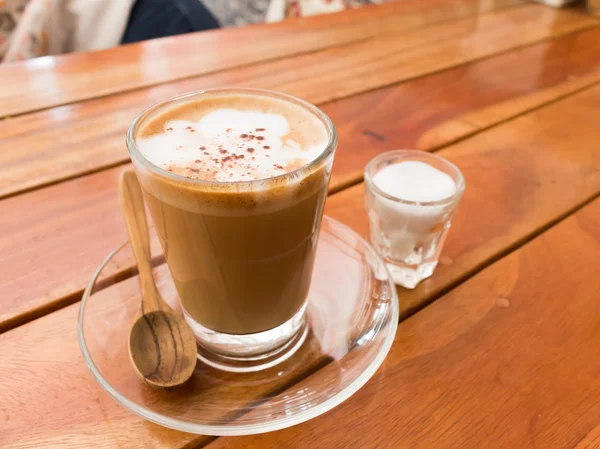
233, 138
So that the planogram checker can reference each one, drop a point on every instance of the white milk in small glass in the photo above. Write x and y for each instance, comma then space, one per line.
411, 197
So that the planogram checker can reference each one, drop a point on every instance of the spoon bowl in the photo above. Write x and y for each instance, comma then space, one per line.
157, 359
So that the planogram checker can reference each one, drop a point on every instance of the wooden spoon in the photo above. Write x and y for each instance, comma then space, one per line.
162, 347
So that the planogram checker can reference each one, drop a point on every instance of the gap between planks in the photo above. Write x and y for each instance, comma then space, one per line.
500, 255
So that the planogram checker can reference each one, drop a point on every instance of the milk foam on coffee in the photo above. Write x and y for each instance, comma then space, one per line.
406, 226
237, 139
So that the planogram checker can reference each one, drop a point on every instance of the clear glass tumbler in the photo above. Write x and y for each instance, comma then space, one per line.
409, 235
241, 253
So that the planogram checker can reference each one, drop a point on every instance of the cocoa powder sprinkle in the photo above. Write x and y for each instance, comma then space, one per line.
250, 150
267, 147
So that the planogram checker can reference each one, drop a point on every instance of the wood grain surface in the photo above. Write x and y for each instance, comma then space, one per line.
55, 402
430, 112
523, 190
508, 359
76, 223
521, 177
52, 81
68, 141
52, 239
515, 86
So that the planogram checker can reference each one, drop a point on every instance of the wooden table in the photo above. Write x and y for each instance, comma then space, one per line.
500, 348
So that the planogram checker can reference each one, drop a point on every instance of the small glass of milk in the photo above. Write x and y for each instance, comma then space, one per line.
411, 197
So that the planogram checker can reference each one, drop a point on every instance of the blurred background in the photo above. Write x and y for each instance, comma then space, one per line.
32, 28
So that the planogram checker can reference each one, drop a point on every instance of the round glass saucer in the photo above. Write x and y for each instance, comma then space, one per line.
352, 314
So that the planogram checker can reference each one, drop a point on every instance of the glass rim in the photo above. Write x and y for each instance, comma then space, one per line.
137, 156
460, 184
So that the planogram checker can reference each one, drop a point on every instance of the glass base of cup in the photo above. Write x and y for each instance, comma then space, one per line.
409, 276
250, 352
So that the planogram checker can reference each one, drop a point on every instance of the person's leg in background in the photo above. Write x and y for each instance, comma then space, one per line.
150, 19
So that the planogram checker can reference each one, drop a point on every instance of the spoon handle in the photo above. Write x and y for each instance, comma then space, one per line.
132, 205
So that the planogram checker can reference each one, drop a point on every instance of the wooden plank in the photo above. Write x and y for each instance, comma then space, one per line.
509, 359
53, 254
521, 177
441, 351
68, 409
49, 153
76, 223
53, 81
431, 112
531, 175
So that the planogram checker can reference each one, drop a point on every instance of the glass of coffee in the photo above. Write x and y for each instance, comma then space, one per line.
235, 181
